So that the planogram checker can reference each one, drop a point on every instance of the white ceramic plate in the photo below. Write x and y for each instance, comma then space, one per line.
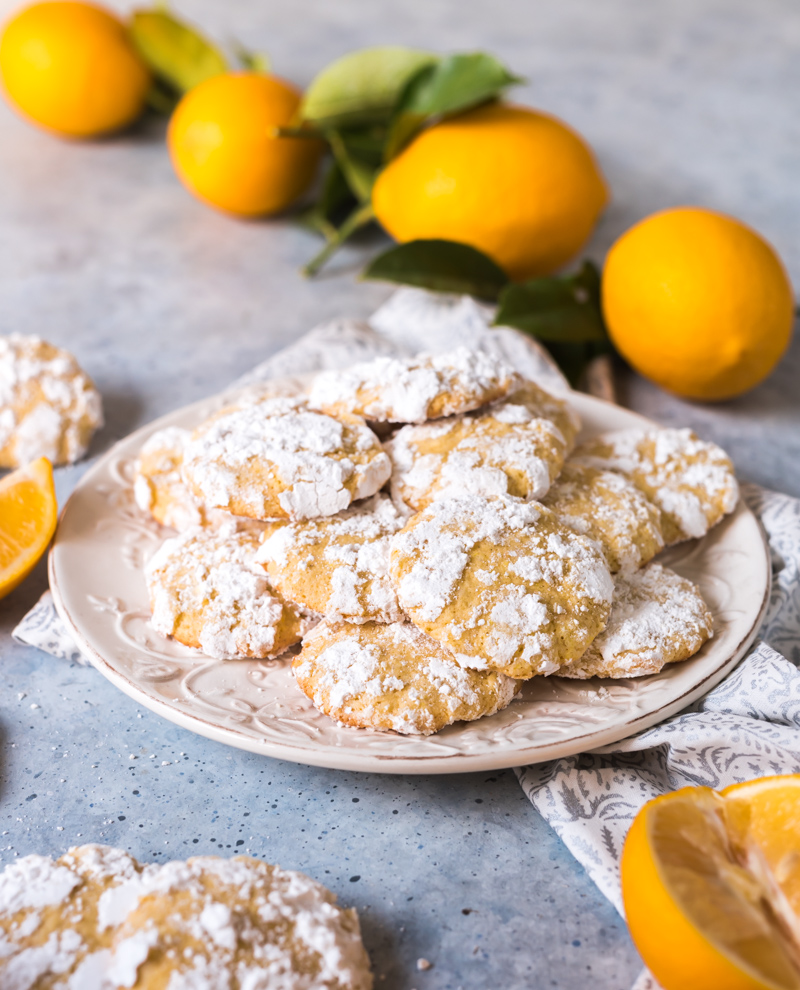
96, 577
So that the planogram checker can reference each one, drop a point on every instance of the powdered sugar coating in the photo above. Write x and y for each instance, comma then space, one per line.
412, 390
49, 406
394, 677
657, 617
504, 585
279, 458
546, 406
690, 480
208, 591
338, 566
195, 925
609, 508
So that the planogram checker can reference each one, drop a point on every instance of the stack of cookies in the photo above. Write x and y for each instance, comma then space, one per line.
429, 532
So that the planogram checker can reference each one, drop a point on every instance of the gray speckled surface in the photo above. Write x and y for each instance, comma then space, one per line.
164, 302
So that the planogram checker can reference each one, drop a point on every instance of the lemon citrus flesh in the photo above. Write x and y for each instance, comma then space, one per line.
28, 515
703, 909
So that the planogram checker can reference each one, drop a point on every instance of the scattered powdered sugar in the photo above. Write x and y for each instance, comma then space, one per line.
411, 390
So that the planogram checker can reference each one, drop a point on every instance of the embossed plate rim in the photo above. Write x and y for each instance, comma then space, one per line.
325, 754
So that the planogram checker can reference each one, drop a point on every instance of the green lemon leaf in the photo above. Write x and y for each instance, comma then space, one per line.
452, 85
443, 266
362, 87
175, 52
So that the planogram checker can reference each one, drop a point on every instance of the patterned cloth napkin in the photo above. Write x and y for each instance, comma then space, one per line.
745, 728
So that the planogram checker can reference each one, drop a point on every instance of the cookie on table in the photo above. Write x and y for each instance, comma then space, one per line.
690, 480
609, 508
657, 618
338, 566
413, 390
49, 406
503, 450
504, 585
208, 591
281, 459
391, 676
56, 915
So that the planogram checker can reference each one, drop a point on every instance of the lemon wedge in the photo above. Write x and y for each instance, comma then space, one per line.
28, 515
702, 892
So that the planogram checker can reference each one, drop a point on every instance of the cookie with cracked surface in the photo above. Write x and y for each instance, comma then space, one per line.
391, 676
657, 617
49, 407
208, 591
503, 450
281, 459
609, 508
541, 403
55, 916
338, 566
505, 585
690, 480
413, 390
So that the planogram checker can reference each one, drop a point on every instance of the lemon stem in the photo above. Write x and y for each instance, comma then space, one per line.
361, 216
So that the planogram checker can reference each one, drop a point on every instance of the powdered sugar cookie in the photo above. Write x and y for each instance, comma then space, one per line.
338, 566
412, 390
278, 458
503, 450
55, 917
608, 507
547, 406
690, 480
657, 617
207, 591
49, 406
504, 585
394, 677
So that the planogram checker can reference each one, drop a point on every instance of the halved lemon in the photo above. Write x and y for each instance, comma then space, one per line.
28, 516
702, 896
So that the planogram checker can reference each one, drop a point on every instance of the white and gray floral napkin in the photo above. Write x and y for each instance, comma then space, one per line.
748, 726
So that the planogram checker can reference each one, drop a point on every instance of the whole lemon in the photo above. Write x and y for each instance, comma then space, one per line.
225, 150
515, 183
697, 302
70, 68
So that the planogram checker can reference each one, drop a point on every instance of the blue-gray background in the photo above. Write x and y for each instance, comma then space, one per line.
164, 301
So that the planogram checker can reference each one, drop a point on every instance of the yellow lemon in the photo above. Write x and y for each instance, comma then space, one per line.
703, 907
517, 184
225, 150
697, 302
70, 68
28, 514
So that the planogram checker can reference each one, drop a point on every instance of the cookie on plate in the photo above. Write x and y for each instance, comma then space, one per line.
541, 403
504, 585
412, 390
49, 406
503, 450
339, 565
208, 591
608, 507
657, 617
690, 480
279, 458
394, 677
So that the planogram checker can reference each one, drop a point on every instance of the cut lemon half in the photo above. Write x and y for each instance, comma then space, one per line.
28, 515
703, 905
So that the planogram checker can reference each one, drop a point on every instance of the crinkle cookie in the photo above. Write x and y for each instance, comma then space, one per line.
280, 459
208, 591
412, 390
394, 677
608, 507
547, 406
657, 617
504, 585
690, 480
338, 566
49, 406
503, 450
97, 919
